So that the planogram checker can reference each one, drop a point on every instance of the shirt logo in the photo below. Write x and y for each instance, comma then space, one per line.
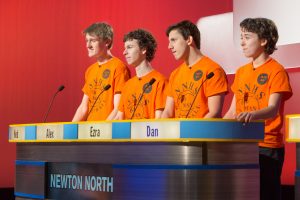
147, 88
262, 79
198, 75
141, 111
106, 73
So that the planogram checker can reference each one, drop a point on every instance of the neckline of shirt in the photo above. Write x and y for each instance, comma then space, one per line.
104, 63
196, 63
146, 77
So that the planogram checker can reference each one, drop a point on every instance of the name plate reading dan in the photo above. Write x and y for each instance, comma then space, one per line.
95, 131
17, 133
49, 132
155, 130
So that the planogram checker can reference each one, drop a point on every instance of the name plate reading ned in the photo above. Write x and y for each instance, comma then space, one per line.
17, 133
49, 132
155, 130
95, 130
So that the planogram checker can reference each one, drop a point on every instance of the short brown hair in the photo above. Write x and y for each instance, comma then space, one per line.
265, 29
186, 28
101, 30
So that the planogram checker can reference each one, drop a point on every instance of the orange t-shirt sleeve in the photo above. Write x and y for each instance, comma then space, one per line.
121, 76
234, 86
169, 91
280, 83
121, 104
217, 84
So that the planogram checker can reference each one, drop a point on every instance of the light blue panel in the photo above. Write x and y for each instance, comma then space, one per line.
30, 163
121, 130
30, 132
70, 131
221, 130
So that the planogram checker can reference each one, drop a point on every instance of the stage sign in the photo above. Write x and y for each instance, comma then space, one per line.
79, 181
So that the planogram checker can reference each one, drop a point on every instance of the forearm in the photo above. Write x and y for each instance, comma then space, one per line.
265, 113
80, 115
215, 104
113, 114
213, 115
166, 114
158, 114
169, 108
119, 116
229, 115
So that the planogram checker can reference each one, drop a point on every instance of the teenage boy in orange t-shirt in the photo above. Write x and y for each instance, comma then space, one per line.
260, 89
197, 87
143, 96
99, 103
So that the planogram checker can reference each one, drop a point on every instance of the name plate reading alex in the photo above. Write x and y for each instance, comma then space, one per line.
155, 130
17, 133
49, 132
101, 130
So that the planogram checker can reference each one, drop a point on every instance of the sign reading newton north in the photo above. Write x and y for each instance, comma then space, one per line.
80, 181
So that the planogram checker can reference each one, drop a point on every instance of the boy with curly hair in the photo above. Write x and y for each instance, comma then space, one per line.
260, 89
143, 95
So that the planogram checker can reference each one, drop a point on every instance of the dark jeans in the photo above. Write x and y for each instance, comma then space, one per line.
270, 163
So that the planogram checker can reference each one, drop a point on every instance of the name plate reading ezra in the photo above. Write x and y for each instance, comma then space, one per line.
155, 130
49, 132
17, 133
95, 131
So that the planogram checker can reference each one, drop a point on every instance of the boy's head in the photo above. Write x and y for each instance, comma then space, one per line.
102, 30
265, 30
186, 29
144, 40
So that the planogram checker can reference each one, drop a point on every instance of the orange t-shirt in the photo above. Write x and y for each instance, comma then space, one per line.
153, 99
252, 89
185, 81
113, 72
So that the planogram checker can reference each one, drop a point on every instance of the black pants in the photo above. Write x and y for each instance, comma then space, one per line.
270, 163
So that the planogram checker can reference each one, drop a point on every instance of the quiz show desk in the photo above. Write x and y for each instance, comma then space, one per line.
128, 160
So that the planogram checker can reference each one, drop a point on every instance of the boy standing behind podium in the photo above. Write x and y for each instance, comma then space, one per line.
197, 87
143, 95
260, 89
103, 79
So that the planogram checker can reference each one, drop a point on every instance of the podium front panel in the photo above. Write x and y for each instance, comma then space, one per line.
184, 168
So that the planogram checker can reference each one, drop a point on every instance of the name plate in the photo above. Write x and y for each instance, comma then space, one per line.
155, 130
17, 133
49, 132
293, 127
95, 131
